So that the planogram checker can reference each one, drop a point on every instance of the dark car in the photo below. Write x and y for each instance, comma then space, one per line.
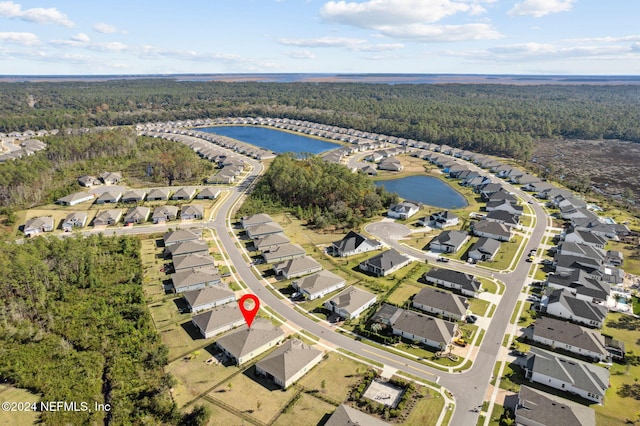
443, 259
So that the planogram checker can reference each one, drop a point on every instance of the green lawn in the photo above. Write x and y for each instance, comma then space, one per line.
22, 417
403, 293
508, 251
427, 410
338, 373
490, 286
478, 306
514, 315
307, 411
631, 254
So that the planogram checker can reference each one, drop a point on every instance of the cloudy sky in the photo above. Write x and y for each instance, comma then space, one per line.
318, 36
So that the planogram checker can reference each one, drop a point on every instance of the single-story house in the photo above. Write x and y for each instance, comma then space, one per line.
585, 237
75, 198
369, 170
208, 297
218, 320
466, 284
563, 304
428, 330
88, 181
256, 219
354, 243
570, 337
110, 197
184, 194
319, 284
208, 194
133, 196
495, 230
345, 415
384, 263
111, 178
568, 374
191, 212
485, 249
187, 247
158, 194
289, 362
107, 217
350, 302
263, 229
504, 204
270, 242
537, 408
138, 214
179, 236
74, 220
162, 214
297, 267
194, 279
193, 261
246, 343
441, 302
36, 225
449, 241
283, 252
581, 284
508, 219
403, 210
390, 164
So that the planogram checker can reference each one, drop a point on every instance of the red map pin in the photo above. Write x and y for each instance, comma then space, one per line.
249, 314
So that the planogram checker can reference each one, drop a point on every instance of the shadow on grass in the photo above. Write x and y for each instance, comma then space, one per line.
263, 381
191, 330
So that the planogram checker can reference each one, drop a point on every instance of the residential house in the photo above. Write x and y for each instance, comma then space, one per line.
560, 334
88, 181
218, 320
508, 219
37, 225
270, 242
568, 374
261, 230
191, 212
187, 247
107, 217
297, 267
441, 220
369, 170
440, 302
184, 194
111, 178
449, 241
563, 304
537, 408
207, 298
354, 243
581, 250
485, 249
466, 284
283, 252
75, 198
74, 220
289, 362
567, 263
208, 194
246, 343
134, 196
585, 237
138, 214
504, 205
488, 189
163, 214
194, 279
525, 179
193, 261
350, 302
495, 230
428, 330
109, 197
390, 164
256, 219
384, 263
319, 284
581, 284
158, 194
403, 210
179, 236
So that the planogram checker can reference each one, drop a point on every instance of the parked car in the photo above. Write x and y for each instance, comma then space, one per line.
443, 259
460, 341
471, 319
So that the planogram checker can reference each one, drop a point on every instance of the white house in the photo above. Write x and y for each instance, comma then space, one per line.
350, 302
289, 362
560, 334
319, 284
403, 210
36, 225
208, 298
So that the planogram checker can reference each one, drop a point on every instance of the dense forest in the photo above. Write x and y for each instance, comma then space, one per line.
75, 327
498, 119
52, 173
325, 194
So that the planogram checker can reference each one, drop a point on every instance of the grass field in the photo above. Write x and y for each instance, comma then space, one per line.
403, 293
427, 410
339, 374
22, 417
220, 416
478, 306
491, 286
307, 411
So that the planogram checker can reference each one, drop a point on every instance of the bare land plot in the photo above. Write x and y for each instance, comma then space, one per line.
334, 377
307, 411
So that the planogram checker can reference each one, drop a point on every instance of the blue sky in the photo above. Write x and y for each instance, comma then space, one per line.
320, 36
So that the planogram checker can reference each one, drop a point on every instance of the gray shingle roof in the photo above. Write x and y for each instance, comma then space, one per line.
572, 334
443, 300
288, 359
546, 409
244, 341
207, 295
425, 326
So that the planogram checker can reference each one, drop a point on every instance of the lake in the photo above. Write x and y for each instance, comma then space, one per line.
427, 190
273, 140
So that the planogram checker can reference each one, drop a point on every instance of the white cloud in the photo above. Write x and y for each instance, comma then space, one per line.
81, 38
38, 15
25, 39
374, 13
354, 44
540, 8
442, 33
103, 28
300, 54
113, 46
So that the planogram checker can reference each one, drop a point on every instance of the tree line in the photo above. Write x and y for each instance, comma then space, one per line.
497, 119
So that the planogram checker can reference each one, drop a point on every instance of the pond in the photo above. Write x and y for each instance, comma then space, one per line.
273, 140
426, 190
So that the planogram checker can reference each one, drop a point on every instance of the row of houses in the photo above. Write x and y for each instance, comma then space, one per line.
139, 195
25, 147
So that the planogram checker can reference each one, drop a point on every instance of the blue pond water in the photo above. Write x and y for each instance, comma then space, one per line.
273, 140
427, 190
